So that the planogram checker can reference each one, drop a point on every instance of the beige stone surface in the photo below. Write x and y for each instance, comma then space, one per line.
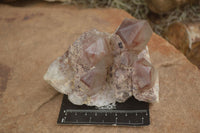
32, 37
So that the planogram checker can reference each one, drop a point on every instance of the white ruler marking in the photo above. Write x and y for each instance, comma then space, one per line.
106, 111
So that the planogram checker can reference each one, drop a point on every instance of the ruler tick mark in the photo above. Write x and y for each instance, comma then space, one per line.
105, 111
123, 116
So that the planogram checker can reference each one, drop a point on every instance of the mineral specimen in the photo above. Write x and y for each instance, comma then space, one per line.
101, 68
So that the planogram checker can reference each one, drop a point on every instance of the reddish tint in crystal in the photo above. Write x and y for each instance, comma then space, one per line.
94, 79
144, 75
128, 58
135, 34
96, 50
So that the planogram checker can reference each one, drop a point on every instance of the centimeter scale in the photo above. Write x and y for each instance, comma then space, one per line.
130, 113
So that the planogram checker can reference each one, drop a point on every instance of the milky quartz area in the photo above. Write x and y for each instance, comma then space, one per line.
100, 68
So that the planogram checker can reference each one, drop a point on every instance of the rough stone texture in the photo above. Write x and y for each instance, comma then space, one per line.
32, 37
100, 68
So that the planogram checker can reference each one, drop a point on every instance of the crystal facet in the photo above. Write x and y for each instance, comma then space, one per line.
96, 50
101, 68
144, 75
135, 34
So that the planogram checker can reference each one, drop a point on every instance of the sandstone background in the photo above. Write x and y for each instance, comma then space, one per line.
31, 37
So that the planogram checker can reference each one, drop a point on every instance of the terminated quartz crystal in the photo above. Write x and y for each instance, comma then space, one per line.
135, 34
101, 68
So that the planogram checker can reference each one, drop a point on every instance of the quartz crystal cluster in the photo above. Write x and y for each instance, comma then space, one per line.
101, 68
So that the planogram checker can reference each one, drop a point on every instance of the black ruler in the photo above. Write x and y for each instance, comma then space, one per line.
130, 113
